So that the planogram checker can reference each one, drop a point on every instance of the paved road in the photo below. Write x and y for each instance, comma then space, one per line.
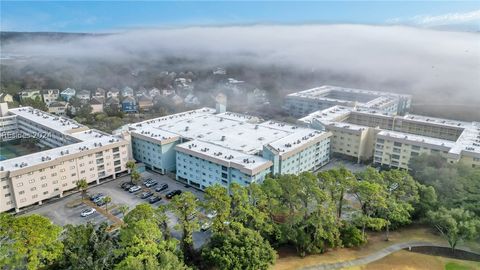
372, 257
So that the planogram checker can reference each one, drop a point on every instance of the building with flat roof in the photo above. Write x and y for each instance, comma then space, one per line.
304, 102
76, 152
391, 140
206, 147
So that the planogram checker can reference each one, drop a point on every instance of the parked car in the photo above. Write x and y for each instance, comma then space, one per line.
212, 214
161, 187
99, 198
146, 194
151, 183
88, 212
134, 189
147, 180
95, 196
128, 186
154, 199
205, 226
101, 202
124, 184
174, 193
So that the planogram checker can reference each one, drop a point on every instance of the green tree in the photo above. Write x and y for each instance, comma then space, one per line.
141, 247
82, 185
145, 211
107, 200
185, 208
336, 183
29, 242
216, 198
135, 177
87, 248
131, 165
124, 209
238, 248
371, 196
455, 224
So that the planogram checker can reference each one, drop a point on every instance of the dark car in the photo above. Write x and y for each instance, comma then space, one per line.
147, 180
151, 183
161, 187
124, 184
173, 193
96, 196
146, 194
101, 202
128, 186
154, 199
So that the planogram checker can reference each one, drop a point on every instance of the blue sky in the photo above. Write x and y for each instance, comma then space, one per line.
95, 16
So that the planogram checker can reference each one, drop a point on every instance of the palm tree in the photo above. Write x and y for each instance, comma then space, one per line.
135, 177
132, 167
82, 185
107, 200
124, 209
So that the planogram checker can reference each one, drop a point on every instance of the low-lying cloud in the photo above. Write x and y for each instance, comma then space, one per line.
437, 65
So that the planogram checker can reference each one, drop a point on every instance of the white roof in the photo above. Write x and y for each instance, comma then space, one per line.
57, 123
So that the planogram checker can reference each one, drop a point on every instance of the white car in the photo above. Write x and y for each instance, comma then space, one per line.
88, 212
212, 214
205, 226
134, 189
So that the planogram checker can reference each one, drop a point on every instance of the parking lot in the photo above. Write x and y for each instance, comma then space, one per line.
61, 211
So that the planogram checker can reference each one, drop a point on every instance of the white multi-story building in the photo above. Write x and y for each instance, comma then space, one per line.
205, 147
391, 140
304, 102
76, 153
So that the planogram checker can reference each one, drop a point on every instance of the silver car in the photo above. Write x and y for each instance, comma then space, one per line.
88, 212
134, 189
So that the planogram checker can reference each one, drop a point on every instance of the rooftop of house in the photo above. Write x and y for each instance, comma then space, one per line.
60, 124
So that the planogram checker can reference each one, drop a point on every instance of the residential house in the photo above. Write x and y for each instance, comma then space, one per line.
145, 103
67, 94
99, 93
141, 92
97, 104
219, 71
191, 100
4, 97
183, 84
113, 92
50, 95
257, 97
168, 92
127, 92
84, 96
112, 102
129, 105
154, 91
176, 99
29, 94
58, 107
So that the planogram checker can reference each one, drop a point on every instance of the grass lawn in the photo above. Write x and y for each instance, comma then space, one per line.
288, 259
404, 260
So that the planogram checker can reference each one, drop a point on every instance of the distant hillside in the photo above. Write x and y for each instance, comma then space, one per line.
8, 37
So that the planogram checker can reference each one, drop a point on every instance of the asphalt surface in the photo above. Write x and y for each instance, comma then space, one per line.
61, 214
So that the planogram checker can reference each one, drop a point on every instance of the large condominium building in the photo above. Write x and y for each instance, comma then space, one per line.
206, 147
391, 140
302, 103
74, 152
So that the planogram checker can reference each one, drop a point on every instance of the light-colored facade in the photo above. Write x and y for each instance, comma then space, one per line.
391, 140
68, 93
50, 96
77, 152
29, 94
305, 102
205, 147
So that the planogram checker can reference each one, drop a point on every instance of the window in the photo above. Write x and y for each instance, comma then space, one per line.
397, 144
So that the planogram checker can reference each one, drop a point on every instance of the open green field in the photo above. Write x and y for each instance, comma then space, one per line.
404, 260
288, 260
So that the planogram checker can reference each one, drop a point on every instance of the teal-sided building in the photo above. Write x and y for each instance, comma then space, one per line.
203, 164
299, 152
205, 147
156, 149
